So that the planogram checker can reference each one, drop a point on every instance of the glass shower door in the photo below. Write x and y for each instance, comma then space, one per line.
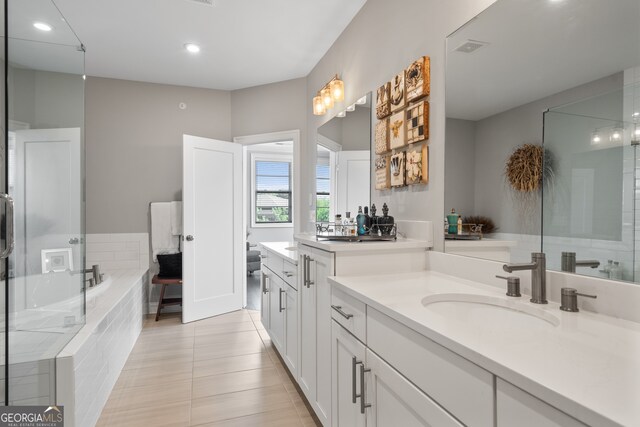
44, 158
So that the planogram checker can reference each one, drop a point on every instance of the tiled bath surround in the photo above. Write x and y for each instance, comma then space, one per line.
88, 367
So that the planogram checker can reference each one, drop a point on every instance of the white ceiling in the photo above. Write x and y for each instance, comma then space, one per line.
538, 48
244, 42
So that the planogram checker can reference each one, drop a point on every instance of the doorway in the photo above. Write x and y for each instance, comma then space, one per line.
272, 212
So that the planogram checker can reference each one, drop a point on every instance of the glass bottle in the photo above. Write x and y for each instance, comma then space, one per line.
386, 221
361, 222
367, 220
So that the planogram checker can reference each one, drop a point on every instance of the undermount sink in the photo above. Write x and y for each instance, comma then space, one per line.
487, 309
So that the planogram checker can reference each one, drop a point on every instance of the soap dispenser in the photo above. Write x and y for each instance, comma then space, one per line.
452, 219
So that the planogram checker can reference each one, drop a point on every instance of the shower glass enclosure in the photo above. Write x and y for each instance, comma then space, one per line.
591, 199
42, 208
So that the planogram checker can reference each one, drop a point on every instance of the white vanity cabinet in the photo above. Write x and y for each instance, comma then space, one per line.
279, 308
315, 266
517, 407
347, 356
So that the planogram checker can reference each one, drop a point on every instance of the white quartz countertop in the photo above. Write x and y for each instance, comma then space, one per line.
286, 250
340, 246
588, 365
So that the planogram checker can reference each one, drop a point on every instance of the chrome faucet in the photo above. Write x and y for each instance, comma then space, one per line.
569, 263
538, 267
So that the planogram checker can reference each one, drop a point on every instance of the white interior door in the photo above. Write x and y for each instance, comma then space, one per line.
353, 175
214, 247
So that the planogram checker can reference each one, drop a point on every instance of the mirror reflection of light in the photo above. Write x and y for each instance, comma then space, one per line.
42, 26
192, 48
351, 107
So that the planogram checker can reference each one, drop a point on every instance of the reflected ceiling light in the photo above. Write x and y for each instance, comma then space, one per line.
636, 114
192, 48
595, 138
362, 100
42, 26
351, 107
341, 114
328, 95
616, 135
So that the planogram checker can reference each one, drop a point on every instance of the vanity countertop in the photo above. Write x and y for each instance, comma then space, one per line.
286, 250
587, 365
341, 246
482, 243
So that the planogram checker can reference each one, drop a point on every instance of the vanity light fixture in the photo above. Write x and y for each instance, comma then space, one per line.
595, 138
635, 135
328, 95
192, 48
43, 26
318, 105
616, 135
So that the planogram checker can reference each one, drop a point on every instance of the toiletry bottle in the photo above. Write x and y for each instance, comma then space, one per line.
374, 220
459, 224
346, 230
361, 221
367, 219
616, 271
338, 225
452, 219
386, 222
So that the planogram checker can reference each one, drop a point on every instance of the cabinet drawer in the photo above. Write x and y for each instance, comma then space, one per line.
289, 273
273, 262
350, 313
461, 387
517, 407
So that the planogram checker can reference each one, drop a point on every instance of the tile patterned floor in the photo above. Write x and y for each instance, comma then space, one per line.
221, 371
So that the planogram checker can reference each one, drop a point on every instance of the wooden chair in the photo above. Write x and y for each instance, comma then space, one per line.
164, 302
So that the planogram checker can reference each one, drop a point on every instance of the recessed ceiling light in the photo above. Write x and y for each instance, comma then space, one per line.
193, 48
42, 26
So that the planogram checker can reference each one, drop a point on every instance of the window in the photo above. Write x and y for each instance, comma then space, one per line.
323, 182
272, 191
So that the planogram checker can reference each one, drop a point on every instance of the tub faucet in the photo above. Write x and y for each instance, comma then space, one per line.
538, 267
95, 272
569, 263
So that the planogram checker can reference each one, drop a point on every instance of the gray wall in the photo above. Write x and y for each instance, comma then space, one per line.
356, 130
134, 146
381, 40
460, 166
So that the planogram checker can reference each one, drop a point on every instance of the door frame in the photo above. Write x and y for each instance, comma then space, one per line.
262, 138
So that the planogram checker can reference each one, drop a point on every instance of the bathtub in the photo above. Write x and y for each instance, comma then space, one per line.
88, 367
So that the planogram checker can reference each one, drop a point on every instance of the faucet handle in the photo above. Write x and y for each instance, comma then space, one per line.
569, 299
513, 285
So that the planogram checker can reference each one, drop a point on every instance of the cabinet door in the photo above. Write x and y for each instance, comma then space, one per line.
347, 354
323, 267
307, 300
264, 297
276, 315
517, 407
291, 328
396, 402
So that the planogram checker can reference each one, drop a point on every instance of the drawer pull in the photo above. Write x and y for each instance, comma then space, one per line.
338, 308
280, 307
288, 273
265, 289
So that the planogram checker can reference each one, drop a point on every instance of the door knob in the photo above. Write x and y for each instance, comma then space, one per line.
74, 241
189, 238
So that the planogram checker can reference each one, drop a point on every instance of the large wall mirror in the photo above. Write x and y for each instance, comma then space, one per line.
558, 77
343, 166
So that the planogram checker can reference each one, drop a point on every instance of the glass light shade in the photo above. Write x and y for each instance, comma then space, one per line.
337, 90
616, 135
318, 106
595, 138
327, 98
635, 134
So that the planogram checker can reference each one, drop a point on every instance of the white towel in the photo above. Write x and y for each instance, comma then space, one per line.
176, 218
162, 241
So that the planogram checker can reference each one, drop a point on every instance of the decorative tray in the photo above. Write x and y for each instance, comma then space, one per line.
348, 232
448, 236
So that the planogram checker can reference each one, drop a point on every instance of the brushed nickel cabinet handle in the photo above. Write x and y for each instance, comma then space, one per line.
363, 405
338, 308
288, 273
354, 363
280, 307
264, 283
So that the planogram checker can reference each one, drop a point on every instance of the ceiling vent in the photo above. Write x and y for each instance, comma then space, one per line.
205, 2
470, 46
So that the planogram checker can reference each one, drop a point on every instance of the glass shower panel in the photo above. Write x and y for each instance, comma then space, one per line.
589, 197
44, 162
